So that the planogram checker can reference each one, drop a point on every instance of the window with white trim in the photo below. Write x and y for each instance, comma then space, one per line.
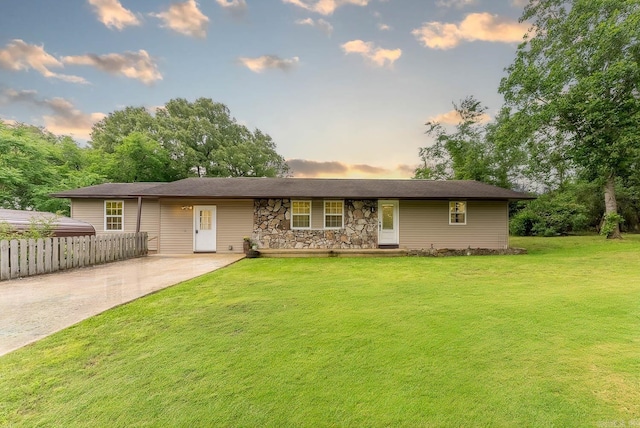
301, 214
457, 212
114, 215
333, 214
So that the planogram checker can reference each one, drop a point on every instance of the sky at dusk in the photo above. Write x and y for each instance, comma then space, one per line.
344, 87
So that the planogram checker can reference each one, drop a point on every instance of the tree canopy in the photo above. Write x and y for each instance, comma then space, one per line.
35, 163
200, 138
183, 139
574, 86
472, 152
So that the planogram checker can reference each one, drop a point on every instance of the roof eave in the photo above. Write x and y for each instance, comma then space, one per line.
270, 196
100, 196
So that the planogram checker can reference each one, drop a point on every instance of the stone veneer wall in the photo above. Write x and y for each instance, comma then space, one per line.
272, 227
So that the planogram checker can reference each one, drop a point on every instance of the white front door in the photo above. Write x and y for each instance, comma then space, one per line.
388, 222
204, 228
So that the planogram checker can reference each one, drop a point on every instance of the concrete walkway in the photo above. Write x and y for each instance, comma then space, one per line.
35, 307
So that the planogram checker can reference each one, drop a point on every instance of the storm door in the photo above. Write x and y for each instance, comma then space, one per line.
204, 228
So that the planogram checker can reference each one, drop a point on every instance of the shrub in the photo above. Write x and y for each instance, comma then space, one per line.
39, 227
555, 213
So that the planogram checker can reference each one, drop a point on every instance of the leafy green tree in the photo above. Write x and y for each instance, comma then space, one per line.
138, 158
110, 132
254, 156
472, 152
35, 163
574, 207
554, 213
201, 138
575, 86
198, 131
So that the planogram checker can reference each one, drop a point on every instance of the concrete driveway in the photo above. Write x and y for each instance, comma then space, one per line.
35, 307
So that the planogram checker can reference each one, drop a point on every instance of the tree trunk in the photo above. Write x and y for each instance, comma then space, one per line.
611, 205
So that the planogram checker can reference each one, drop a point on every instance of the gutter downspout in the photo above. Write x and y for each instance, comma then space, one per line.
139, 214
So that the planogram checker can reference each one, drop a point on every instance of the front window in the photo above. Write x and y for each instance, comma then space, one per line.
114, 215
301, 214
457, 212
333, 214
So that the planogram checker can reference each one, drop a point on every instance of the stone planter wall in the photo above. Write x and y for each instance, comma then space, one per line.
272, 227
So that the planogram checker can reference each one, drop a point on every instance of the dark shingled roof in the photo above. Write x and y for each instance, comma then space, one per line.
61, 226
301, 188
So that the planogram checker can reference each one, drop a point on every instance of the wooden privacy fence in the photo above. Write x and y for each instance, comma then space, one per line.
26, 257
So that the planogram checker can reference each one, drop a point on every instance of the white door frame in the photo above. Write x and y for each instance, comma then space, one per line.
390, 237
207, 237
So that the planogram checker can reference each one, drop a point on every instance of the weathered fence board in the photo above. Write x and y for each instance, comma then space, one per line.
39, 256
14, 258
69, 252
4, 260
47, 255
55, 254
25, 257
31, 254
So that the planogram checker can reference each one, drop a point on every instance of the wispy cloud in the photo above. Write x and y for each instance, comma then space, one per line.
376, 55
112, 14
60, 116
237, 8
452, 117
185, 18
320, 24
134, 65
20, 56
267, 62
458, 4
475, 27
381, 25
303, 168
324, 7
519, 3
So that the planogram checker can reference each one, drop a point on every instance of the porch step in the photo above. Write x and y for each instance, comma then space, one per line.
337, 252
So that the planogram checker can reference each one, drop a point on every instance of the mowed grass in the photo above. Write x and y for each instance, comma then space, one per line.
551, 338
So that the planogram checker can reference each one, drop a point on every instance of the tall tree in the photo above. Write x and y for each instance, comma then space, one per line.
110, 132
35, 163
575, 85
201, 138
471, 152
138, 158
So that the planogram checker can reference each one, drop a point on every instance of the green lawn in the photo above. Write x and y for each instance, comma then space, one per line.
551, 338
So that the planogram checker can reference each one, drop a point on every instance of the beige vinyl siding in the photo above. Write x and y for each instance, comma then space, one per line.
92, 212
149, 221
234, 221
426, 223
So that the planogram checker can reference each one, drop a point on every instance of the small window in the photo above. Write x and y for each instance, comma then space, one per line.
457, 212
333, 214
206, 219
301, 214
114, 215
